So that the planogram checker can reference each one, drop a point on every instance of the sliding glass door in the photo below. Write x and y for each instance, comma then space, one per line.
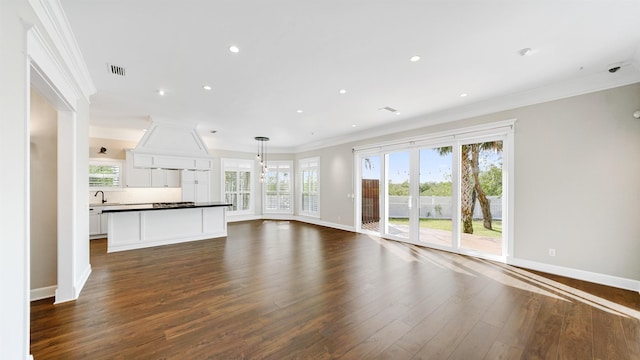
481, 189
398, 195
447, 194
370, 185
436, 210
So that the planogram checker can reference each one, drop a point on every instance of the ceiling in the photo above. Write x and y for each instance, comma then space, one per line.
296, 55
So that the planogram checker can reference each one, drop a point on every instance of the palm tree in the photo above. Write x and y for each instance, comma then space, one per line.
472, 189
466, 201
485, 204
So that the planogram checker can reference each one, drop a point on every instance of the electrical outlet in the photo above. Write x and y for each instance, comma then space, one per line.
552, 252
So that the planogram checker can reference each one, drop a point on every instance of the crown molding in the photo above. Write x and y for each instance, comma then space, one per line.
56, 25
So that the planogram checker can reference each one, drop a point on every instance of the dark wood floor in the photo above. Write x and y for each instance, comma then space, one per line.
280, 290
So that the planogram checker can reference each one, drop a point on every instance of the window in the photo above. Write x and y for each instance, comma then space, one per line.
105, 174
238, 175
309, 186
278, 190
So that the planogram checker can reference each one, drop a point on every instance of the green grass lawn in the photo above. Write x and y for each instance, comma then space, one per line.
444, 224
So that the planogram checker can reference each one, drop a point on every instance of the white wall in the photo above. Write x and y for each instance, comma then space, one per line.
336, 183
64, 88
44, 203
580, 151
14, 302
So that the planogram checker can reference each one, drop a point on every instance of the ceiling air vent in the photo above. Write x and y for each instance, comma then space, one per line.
116, 70
388, 108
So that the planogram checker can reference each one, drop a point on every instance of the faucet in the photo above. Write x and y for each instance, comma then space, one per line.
102, 192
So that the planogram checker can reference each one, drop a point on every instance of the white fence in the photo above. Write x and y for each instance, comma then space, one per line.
439, 207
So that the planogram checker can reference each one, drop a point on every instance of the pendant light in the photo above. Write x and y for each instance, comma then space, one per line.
262, 156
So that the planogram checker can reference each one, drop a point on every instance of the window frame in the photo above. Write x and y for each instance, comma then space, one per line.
237, 166
112, 163
304, 164
270, 167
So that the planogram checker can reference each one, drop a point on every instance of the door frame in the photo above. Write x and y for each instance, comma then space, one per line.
500, 130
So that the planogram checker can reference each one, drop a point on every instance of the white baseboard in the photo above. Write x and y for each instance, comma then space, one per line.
236, 218
43, 292
603, 279
317, 221
82, 280
305, 219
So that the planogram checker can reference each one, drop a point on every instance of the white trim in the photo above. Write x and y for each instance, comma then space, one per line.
254, 193
43, 292
56, 25
303, 165
315, 221
274, 165
603, 279
82, 280
469, 132
243, 217
493, 131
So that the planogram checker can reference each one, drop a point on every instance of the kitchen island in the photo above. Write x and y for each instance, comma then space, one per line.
144, 225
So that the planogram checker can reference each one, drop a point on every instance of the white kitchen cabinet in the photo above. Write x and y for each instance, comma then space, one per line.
94, 224
142, 177
136, 177
165, 178
196, 186
104, 223
98, 222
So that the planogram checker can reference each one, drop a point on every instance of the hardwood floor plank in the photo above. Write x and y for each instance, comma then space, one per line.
545, 335
378, 342
502, 351
289, 290
477, 343
608, 337
631, 328
576, 337
456, 328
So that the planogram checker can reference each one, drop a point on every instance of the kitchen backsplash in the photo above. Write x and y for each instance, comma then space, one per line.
141, 195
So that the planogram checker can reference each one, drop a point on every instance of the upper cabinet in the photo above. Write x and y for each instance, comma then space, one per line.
137, 177
105, 174
165, 178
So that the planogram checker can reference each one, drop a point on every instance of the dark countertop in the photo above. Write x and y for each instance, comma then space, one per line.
162, 206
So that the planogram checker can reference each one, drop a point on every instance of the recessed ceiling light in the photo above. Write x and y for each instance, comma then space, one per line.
463, 95
161, 92
354, 125
342, 91
525, 51
234, 49
206, 87
397, 112
415, 58
299, 111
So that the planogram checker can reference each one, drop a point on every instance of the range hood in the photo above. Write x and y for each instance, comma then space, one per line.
167, 145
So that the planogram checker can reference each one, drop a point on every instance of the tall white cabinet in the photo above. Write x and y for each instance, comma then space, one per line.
196, 186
